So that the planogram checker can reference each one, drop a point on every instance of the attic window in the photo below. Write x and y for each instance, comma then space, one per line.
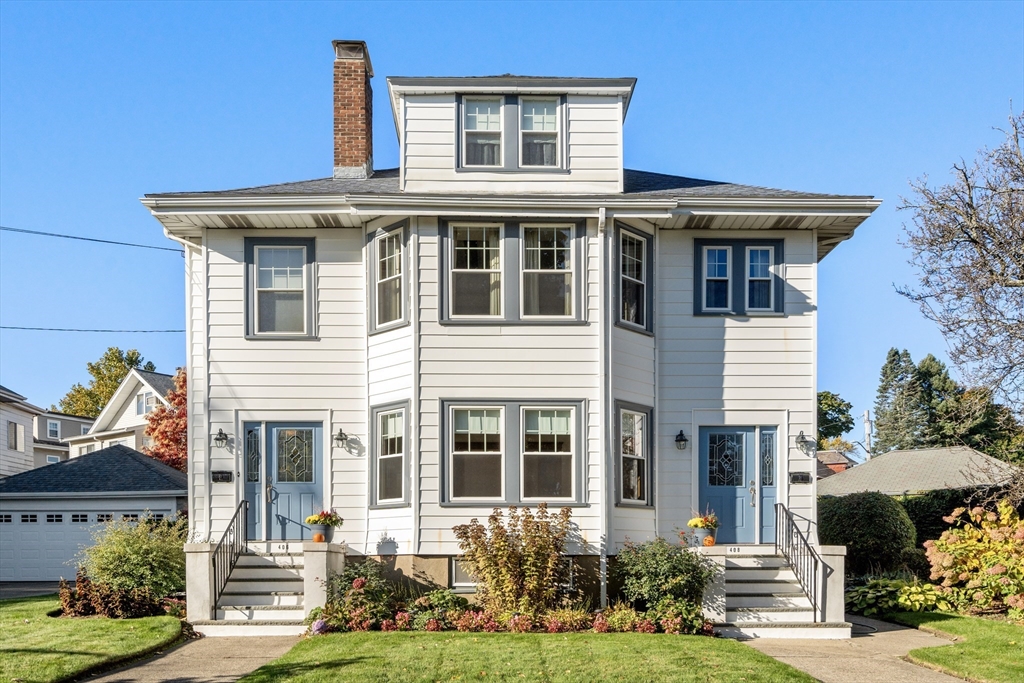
539, 132
144, 402
482, 132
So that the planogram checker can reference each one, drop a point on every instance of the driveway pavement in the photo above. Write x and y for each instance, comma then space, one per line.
26, 589
873, 655
206, 660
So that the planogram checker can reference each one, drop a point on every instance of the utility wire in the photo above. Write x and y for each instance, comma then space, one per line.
89, 239
71, 329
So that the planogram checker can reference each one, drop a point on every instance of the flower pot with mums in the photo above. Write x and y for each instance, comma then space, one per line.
704, 528
322, 525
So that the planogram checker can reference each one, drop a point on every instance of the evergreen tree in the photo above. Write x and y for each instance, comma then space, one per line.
899, 415
107, 374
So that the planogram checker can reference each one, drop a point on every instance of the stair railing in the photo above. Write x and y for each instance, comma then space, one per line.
801, 555
231, 545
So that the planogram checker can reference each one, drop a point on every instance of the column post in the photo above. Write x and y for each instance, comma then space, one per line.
199, 581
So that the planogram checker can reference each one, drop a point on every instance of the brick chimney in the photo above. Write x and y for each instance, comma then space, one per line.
353, 110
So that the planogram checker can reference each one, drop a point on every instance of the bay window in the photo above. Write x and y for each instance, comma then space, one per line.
389, 295
634, 446
390, 455
636, 271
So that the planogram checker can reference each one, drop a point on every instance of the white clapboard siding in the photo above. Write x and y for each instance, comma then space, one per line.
592, 133
751, 363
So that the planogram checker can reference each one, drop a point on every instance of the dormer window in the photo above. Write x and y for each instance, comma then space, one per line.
482, 132
539, 132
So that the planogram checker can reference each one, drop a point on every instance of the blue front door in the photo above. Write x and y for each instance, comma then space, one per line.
295, 467
738, 473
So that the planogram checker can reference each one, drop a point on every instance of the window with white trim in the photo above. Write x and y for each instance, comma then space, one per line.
633, 445
391, 456
52, 429
461, 581
145, 402
548, 453
547, 271
389, 277
15, 436
477, 453
717, 292
280, 289
538, 132
476, 271
481, 132
52, 459
759, 279
633, 279
85, 429
88, 448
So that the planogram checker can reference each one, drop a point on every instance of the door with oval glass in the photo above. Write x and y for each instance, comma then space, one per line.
284, 478
738, 481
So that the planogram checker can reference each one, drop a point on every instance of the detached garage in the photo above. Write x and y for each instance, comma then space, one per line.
48, 514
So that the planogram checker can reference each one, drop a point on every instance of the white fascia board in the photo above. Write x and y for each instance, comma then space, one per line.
92, 436
115, 402
177, 493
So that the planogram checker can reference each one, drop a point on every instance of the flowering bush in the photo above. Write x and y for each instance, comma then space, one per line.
472, 621
680, 617
621, 618
520, 623
326, 518
981, 560
706, 521
567, 619
600, 623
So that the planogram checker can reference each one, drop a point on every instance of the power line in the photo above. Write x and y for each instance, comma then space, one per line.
89, 239
72, 329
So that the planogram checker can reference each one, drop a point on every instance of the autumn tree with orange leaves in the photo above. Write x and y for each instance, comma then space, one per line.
168, 426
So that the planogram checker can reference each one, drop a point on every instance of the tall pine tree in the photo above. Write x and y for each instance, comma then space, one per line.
899, 417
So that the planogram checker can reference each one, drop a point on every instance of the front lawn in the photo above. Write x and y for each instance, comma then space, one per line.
452, 656
985, 650
35, 648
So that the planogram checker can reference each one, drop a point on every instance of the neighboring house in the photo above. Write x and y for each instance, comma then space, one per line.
898, 473
508, 318
48, 514
832, 462
17, 453
52, 429
123, 420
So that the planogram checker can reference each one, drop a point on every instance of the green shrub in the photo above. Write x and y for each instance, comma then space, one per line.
519, 564
880, 596
146, 555
658, 569
89, 598
359, 598
923, 597
679, 617
981, 560
568, 619
874, 528
927, 511
622, 618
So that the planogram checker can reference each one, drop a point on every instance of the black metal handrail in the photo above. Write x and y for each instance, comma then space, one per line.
231, 545
802, 557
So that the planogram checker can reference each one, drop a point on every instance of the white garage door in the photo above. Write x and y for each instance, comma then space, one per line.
42, 546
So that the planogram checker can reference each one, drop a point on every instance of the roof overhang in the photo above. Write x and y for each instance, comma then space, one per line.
835, 219
36, 495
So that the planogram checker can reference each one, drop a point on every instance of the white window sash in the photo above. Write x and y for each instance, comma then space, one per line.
500, 132
451, 450
641, 455
380, 436
399, 276
452, 270
55, 432
728, 279
557, 131
643, 275
748, 279
573, 449
523, 270
257, 289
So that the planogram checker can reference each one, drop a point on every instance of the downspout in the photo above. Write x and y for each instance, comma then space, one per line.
414, 319
653, 313
603, 346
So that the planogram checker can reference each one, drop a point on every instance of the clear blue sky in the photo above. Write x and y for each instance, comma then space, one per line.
101, 103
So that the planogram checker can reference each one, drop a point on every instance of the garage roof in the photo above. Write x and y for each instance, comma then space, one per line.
115, 469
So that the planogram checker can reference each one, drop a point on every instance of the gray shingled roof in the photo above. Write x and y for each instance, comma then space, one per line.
914, 471
115, 469
637, 184
159, 381
833, 458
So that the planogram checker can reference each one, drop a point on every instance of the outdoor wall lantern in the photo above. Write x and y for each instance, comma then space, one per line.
341, 438
681, 440
806, 443
221, 440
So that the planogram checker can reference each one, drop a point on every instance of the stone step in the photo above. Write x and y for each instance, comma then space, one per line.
216, 629
269, 560
273, 613
781, 629
759, 574
767, 599
266, 572
256, 585
283, 598
761, 615
745, 586
275, 547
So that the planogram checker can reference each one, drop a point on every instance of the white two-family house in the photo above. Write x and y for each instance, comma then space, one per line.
510, 317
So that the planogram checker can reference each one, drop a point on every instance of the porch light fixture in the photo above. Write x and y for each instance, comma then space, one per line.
681, 440
341, 438
221, 440
806, 443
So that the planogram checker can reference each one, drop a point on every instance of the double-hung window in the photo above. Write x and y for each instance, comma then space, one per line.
85, 429
390, 473
547, 271
717, 292
52, 429
481, 130
633, 279
547, 457
538, 131
279, 280
739, 276
477, 453
634, 451
389, 277
476, 271
15, 436
759, 279
144, 402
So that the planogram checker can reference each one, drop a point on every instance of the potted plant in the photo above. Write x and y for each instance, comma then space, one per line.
704, 527
323, 524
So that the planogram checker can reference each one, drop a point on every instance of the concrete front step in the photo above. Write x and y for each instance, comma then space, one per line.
275, 547
782, 629
216, 629
270, 560
767, 599
266, 572
755, 561
761, 615
273, 613
275, 585
282, 598
747, 586
759, 574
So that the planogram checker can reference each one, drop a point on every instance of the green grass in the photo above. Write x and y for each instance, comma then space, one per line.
590, 657
984, 650
35, 648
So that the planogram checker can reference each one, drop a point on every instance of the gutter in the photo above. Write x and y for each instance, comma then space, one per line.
34, 495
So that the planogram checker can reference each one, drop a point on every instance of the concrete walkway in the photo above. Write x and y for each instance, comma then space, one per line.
873, 655
206, 660
27, 589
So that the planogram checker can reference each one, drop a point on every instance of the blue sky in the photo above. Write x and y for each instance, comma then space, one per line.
101, 103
